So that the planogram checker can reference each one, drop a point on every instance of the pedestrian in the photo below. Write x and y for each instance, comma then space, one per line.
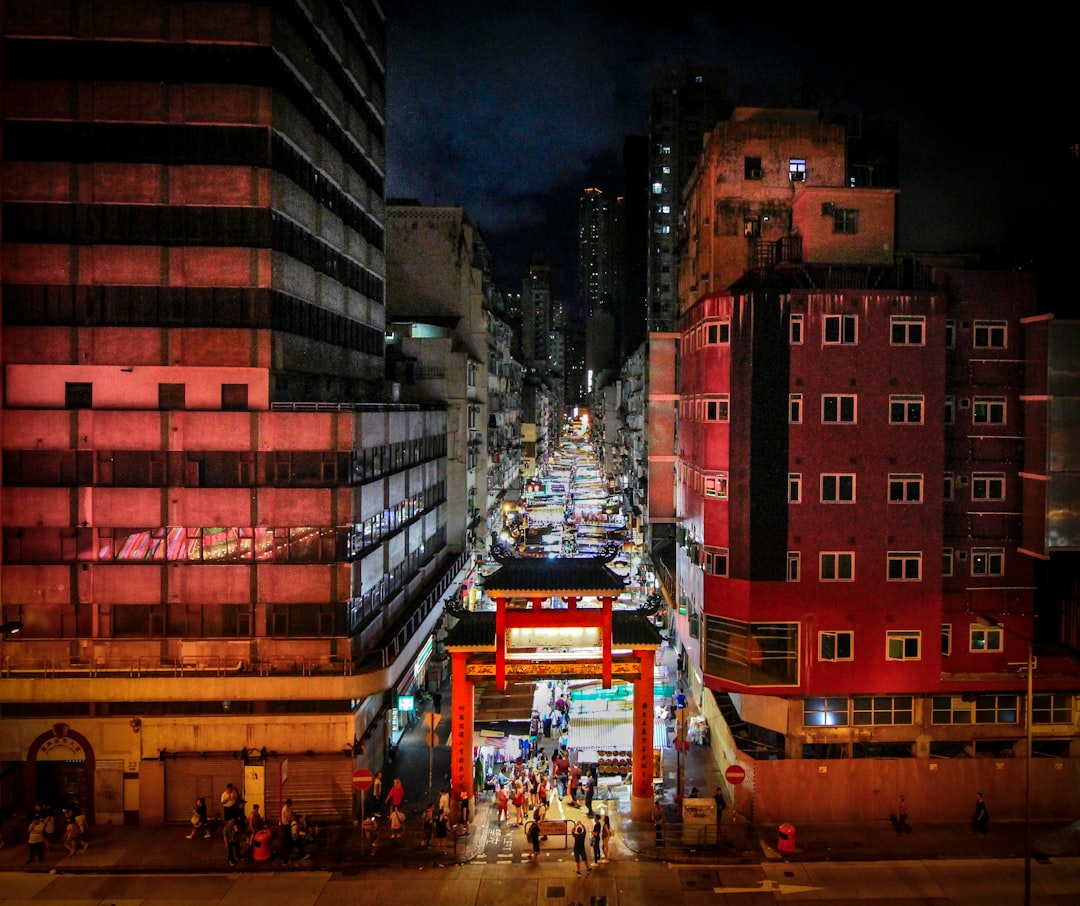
658, 823
532, 834
597, 830
444, 802
980, 821
256, 821
428, 823
288, 819
71, 835
397, 821
229, 798
50, 829
36, 839
396, 796
436, 701
80, 826
376, 791
231, 833
502, 803
718, 798
588, 783
200, 822
579, 848
518, 801
605, 837
465, 803
901, 817
571, 784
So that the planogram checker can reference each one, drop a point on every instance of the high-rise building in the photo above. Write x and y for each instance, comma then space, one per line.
224, 546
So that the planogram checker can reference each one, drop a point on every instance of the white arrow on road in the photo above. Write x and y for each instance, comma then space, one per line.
768, 887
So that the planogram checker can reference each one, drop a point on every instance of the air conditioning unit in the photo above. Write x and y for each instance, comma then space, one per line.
755, 174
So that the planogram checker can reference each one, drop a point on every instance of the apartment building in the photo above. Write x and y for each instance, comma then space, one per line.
859, 493
225, 545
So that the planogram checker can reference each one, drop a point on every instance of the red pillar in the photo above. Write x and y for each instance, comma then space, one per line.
605, 631
462, 715
641, 790
571, 602
500, 644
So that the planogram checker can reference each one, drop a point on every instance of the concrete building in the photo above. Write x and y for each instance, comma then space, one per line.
860, 495
226, 546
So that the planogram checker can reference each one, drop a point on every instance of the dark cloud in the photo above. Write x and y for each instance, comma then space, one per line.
511, 108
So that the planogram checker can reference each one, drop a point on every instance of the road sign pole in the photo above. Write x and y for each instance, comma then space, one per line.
431, 753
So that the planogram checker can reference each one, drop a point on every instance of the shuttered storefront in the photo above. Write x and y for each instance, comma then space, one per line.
188, 778
320, 787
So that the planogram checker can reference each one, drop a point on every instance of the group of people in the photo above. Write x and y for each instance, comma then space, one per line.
51, 827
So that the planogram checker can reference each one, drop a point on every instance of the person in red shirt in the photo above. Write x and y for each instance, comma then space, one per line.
396, 796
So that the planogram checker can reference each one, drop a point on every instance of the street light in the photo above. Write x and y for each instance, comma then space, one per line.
1029, 668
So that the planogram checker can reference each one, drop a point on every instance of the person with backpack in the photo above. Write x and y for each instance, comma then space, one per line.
532, 834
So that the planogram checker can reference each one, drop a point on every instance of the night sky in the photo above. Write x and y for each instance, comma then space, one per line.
510, 109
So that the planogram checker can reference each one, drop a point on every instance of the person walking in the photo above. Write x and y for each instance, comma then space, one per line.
532, 834
658, 823
594, 838
580, 855
980, 821
465, 807
71, 837
376, 792
229, 798
200, 821
231, 835
718, 798
396, 796
397, 821
502, 804
36, 839
427, 821
588, 783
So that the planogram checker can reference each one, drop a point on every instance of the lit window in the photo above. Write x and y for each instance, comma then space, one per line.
837, 566
838, 488
825, 712
902, 645
797, 169
840, 329
658, 188
751, 227
991, 335
988, 561
988, 410
905, 488
985, 638
905, 409
716, 485
988, 486
835, 646
839, 408
904, 566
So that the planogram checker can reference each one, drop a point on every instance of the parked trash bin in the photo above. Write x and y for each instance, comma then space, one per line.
786, 841
260, 845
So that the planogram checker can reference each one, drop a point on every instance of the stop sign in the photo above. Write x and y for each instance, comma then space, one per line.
735, 773
362, 778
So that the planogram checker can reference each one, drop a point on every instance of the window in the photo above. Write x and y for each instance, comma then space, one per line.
78, 395
905, 409
835, 646
796, 169
171, 396
947, 709
1052, 708
950, 410
907, 331
794, 566
946, 638
234, 397
716, 485
795, 334
988, 486
751, 227
825, 712
947, 562
794, 487
902, 645
882, 710
716, 562
991, 335
471, 370
839, 408
905, 488
984, 638
949, 482
988, 561
795, 408
997, 709
838, 488
839, 329
988, 410
717, 332
904, 566
950, 334
837, 566
717, 409
845, 220
752, 168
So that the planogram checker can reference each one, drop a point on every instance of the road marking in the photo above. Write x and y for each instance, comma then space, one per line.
768, 887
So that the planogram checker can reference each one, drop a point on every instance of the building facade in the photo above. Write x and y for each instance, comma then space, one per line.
225, 544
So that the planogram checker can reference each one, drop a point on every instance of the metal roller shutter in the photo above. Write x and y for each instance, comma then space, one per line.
320, 787
188, 778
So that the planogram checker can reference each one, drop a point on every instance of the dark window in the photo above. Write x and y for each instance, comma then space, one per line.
171, 396
234, 397
78, 395
752, 168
